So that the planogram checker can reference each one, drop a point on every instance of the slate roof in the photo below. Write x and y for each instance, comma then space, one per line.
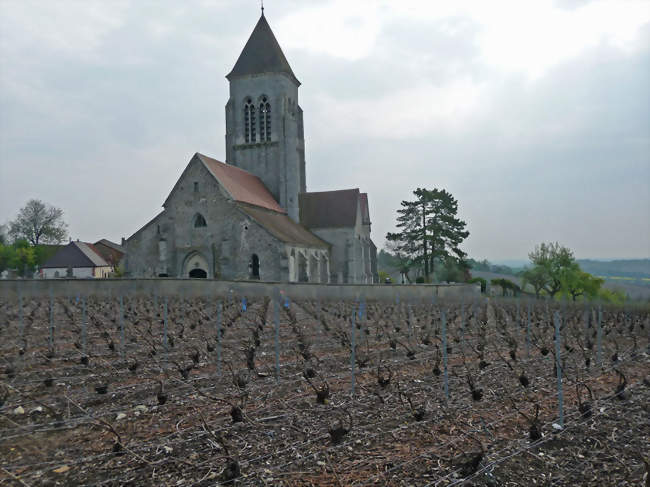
284, 228
76, 254
262, 54
329, 209
242, 186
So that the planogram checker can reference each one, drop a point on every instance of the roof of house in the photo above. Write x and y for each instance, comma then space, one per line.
283, 228
76, 254
111, 245
242, 186
328, 209
110, 251
262, 54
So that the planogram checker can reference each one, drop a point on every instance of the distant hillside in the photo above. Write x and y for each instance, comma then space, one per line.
634, 289
633, 268
637, 270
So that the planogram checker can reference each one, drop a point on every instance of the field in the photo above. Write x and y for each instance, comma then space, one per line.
146, 390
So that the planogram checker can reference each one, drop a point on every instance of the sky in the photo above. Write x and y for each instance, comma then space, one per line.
535, 115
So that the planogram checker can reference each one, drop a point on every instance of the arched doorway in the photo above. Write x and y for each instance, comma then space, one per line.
195, 266
255, 267
198, 274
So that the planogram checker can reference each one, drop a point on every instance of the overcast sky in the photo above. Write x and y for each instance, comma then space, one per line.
534, 114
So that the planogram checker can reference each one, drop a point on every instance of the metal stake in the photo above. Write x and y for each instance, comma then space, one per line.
51, 342
528, 332
276, 321
353, 335
21, 323
165, 343
444, 352
122, 341
84, 320
558, 368
219, 311
599, 337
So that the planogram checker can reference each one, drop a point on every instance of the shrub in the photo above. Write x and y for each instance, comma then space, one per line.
506, 285
481, 280
384, 277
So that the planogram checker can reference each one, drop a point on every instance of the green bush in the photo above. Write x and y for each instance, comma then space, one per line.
419, 280
384, 277
481, 280
506, 285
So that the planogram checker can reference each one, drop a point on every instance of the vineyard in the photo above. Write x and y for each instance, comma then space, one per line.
155, 390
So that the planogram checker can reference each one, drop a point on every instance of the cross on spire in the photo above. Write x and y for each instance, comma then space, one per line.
262, 5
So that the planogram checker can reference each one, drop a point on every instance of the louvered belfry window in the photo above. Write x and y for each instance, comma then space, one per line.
250, 122
265, 120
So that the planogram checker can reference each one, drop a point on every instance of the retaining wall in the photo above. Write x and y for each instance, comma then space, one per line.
208, 287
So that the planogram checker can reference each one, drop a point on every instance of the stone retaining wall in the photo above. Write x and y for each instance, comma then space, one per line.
207, 287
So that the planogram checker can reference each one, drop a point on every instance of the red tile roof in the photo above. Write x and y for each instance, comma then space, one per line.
242, 185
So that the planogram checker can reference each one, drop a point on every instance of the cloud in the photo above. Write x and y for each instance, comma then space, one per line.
537, 121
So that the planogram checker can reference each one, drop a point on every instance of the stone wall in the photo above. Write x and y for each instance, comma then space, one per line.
226, 244
352, 255
202, 287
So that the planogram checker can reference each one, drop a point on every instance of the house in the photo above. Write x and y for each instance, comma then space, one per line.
110, 252
77, 259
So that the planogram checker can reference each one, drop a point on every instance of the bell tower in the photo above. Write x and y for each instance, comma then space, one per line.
264, 127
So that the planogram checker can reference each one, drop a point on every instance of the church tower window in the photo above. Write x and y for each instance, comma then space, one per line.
199, 221
265, 120
249, 122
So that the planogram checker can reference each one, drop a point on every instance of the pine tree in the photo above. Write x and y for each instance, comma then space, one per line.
429, 229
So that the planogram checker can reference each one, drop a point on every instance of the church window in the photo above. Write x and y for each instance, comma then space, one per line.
254, 266
196, 186
265, 120
199, 221
249, 122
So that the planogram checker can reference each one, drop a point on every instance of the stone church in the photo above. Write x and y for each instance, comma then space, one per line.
252, 217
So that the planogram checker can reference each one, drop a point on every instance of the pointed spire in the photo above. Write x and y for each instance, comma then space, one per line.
262, 54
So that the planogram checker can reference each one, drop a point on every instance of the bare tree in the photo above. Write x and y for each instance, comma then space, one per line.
38, 222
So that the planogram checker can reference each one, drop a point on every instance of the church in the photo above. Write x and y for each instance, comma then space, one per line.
252, 217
